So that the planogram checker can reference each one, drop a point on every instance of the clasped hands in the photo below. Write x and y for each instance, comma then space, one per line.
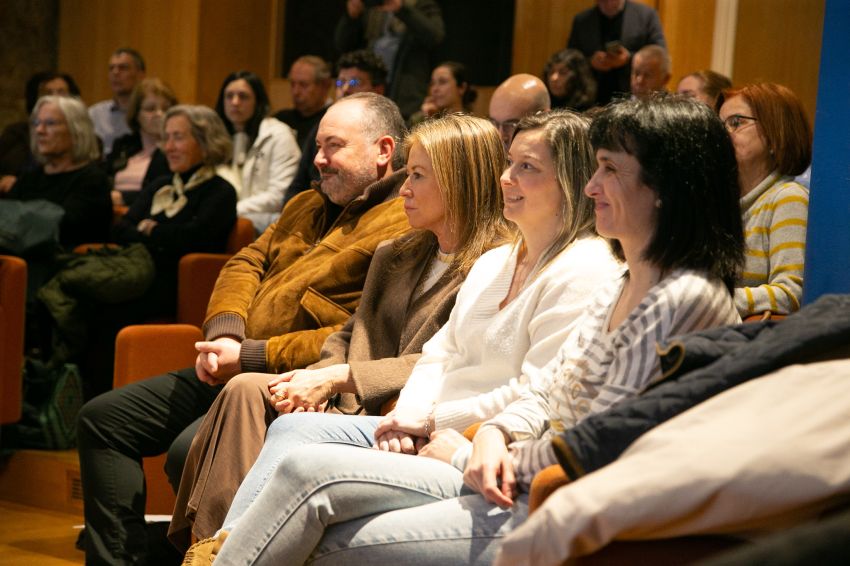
490, 469
307, 389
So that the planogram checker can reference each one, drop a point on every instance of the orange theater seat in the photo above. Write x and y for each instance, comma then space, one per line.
13, 294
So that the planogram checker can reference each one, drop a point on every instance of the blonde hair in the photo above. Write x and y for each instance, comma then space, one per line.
468, 158
566, 135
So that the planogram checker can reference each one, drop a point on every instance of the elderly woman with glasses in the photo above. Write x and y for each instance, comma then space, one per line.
773, 143
62, 139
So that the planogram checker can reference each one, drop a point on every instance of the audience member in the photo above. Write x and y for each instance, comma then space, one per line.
705, 86
15, 155
358, 71
449, 91
190, 210
518, 96
516, 307
274, 304
63, 142
309, 83
608, 35
403, 33
126, 69
569, 80
136, 159
452, 199
648, 192
650, 71
773, 143
265, 152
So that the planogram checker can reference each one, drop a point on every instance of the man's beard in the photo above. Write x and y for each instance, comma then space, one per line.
344, 186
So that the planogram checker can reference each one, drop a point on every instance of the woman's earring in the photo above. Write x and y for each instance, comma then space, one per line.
658, 203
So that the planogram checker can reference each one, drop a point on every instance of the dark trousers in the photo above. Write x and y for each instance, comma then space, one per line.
114, 432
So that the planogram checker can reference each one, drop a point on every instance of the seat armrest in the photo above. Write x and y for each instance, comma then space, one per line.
196, 278
145, 350
544, 483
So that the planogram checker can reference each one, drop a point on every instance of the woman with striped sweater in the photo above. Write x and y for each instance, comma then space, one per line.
773, 144
665, 192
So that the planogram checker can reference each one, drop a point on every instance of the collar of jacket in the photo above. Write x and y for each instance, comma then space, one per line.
380, 191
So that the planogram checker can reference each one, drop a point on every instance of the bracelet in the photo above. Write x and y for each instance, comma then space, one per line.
428, 421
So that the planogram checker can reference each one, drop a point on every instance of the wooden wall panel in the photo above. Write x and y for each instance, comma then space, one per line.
542, 27
234, 35
164, 31
193, 44
780, 41
689, 29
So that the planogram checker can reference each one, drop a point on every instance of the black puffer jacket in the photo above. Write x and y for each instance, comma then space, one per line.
700, 365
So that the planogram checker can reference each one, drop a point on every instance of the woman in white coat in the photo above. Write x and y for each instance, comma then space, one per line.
265, 152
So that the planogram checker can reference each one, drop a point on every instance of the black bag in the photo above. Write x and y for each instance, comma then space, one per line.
53, 396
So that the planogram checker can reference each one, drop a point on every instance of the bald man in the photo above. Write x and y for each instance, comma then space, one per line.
650, 71
517, 97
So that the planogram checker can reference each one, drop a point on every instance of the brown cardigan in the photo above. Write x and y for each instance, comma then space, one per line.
381, 342
284, 294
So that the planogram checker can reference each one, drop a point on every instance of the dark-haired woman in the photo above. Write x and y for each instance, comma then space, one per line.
665, 192
773, 143
569, 80
448, 92
265, 151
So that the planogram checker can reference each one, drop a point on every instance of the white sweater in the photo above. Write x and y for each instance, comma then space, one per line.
596, 369
483, 358
270, 165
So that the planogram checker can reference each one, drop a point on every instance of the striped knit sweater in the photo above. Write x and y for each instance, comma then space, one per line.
775, 215
596, 369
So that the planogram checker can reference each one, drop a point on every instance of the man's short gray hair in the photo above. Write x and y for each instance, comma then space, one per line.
382, 118
657, 52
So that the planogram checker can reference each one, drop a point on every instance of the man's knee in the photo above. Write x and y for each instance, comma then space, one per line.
93, 418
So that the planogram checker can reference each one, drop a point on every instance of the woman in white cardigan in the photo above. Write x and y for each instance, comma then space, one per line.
665, 191
517, 305
265, 151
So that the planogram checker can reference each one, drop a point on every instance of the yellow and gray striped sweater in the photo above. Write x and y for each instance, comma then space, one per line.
775, 215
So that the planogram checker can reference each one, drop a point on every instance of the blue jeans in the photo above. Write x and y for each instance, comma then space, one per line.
288, 432
346, 505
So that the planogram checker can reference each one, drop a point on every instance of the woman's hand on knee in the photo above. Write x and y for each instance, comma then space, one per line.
396, 441
443, 445
490, 470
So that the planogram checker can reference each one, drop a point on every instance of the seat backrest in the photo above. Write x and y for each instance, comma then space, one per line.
13, 293
241, 235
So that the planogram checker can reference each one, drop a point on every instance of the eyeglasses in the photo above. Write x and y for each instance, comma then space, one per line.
353, 83
507, 127
734, 122
48, 123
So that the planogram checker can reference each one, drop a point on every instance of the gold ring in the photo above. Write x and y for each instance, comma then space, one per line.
280, 396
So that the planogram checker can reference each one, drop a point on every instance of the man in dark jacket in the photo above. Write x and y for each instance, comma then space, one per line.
608, 35
402, 33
